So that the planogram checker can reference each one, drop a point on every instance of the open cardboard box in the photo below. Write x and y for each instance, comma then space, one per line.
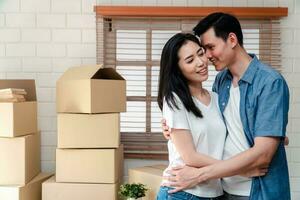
19, 118
91, 89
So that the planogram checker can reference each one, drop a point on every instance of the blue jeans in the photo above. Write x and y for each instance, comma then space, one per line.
181, 195
227, 196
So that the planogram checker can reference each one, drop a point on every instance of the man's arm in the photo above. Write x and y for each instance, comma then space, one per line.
257, 157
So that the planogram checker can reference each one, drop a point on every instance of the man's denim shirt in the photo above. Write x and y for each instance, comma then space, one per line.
264, 105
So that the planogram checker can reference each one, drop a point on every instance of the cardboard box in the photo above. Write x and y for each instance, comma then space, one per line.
78, 191
20, 159
19, 118
88, 130
91, 89
31, 191
89, 165
151, 176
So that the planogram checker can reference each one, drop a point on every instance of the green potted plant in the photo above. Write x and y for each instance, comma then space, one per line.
132, 191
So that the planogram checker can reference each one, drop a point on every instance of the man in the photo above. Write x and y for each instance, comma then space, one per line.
254, 101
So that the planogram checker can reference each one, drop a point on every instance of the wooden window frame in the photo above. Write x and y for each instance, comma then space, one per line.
165, 11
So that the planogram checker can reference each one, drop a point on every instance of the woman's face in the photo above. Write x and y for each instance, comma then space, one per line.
193, 62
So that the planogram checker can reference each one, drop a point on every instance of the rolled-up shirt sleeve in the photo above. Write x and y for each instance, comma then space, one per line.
272, 109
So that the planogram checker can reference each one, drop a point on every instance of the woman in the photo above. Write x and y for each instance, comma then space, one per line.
191, 112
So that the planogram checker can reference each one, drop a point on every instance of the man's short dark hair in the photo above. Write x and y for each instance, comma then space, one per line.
222, 23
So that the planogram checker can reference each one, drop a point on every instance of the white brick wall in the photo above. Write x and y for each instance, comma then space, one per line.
10, 35
51, 50
20, 49
82, 50
226, 3
2, 20
20, 20
150, 2
209, 3
51, 21
89, 36
2, 49
81, 21
36, 35
10, 65
40, 39
10, 6
35, 5
67, 35
61, 64
37, 64
66, 6
87, 5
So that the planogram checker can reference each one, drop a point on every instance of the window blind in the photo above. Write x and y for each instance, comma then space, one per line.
133, 45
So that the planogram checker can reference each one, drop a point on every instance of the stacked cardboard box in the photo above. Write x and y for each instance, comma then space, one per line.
20, 177
89, 155
151, 176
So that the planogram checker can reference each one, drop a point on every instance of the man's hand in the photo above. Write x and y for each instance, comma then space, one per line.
182, 177
286, 141
255, 172
165, 129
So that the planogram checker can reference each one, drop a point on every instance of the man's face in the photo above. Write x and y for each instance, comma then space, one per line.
218, 51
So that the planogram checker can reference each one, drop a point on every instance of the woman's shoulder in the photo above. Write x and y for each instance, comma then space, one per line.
214, 99
177, 101
175, 97
214, 95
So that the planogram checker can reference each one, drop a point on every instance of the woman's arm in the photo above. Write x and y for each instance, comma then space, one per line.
183, 141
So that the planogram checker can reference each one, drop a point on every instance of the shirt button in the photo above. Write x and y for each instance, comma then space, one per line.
223, 104
228, 87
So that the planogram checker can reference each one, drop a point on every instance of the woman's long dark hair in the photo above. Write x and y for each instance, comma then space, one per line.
171, 79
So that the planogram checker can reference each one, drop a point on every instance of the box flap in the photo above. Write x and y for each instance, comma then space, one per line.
154, 170
40, 176
107, 73
161, 167
28, 85
81, 72
50, 180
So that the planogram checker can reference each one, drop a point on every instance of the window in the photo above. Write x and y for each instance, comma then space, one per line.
132, 45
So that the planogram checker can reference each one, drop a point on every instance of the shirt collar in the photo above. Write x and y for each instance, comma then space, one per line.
250, 72
252, 68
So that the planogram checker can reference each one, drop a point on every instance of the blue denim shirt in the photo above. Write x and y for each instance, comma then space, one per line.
264, 105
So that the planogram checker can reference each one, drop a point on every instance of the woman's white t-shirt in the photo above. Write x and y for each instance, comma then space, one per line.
208, 134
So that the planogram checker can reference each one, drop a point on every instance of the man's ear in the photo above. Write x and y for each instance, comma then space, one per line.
232, 39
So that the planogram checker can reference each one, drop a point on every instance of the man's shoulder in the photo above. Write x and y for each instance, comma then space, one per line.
267, 73
268, 77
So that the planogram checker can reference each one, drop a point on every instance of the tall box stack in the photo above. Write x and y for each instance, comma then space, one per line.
89, 156
20, 177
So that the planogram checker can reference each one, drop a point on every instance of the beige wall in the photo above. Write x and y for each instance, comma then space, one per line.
41, 38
